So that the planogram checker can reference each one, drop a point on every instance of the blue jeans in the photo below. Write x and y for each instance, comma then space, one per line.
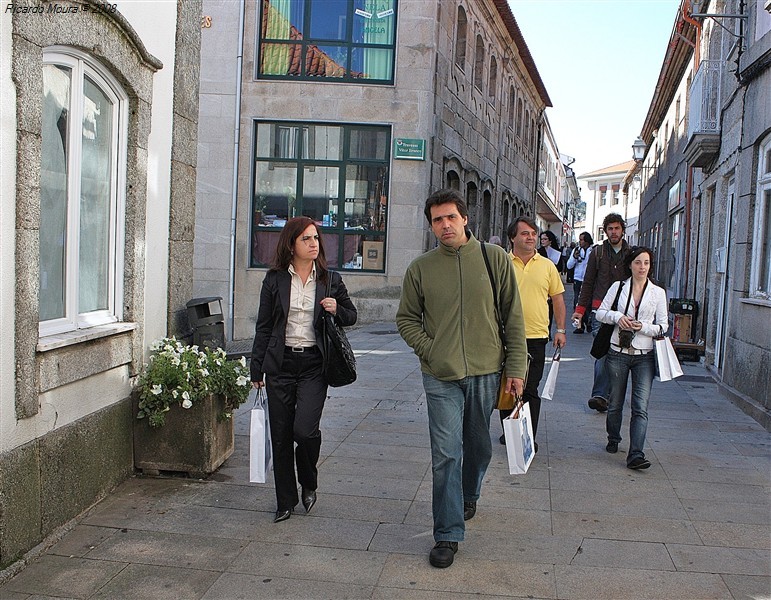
600, 385
642, 368
459, 427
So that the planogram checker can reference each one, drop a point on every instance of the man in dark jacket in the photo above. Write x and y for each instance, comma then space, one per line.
606, 266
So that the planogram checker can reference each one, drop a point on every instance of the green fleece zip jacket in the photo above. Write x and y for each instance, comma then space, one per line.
447, 315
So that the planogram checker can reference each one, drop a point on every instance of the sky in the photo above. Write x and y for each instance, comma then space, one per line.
599, 61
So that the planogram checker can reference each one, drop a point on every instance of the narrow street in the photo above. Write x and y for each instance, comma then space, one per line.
577, 525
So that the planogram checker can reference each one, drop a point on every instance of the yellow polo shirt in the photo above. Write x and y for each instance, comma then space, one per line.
536, 280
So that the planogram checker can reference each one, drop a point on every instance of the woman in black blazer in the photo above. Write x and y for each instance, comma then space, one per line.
288, 350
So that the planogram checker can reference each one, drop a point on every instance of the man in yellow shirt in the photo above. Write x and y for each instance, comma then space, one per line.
537, 280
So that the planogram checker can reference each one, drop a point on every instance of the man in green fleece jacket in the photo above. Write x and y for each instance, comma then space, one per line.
447, 316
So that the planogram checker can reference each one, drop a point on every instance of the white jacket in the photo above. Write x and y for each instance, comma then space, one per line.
579, 264
653, 313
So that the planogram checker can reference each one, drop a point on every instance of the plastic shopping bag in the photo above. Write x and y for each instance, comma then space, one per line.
666, 359
551, 380
260, 451
518, 431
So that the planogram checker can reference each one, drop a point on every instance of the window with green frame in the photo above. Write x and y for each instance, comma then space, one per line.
334, 40
336, 174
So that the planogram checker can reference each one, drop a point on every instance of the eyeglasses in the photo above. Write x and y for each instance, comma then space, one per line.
306, 239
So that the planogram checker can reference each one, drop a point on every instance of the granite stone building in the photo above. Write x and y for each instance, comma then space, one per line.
353, 115
706, 200
99, 107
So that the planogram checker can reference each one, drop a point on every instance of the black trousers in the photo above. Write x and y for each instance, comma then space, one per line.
295, 401
536, 347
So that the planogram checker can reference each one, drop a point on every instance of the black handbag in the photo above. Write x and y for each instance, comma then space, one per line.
340, 365
601, 343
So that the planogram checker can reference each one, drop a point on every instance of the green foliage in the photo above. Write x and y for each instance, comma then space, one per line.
184, 375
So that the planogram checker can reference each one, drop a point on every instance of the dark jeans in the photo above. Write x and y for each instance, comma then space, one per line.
295, 401
600, 384
576, 294
619, 366
537, 350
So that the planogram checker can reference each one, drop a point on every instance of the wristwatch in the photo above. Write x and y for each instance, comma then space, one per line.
562, 331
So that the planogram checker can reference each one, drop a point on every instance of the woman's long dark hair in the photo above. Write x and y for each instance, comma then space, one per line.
554, 243
292, 230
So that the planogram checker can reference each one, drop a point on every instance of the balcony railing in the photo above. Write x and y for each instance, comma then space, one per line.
704, 114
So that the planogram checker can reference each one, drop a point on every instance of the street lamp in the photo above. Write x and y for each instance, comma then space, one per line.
638, 149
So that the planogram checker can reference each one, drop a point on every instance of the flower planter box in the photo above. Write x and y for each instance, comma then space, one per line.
192, 441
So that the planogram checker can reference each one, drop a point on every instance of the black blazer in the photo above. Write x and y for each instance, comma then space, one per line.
270, 330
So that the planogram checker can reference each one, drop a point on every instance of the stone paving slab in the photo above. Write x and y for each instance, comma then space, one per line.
494, 577
334, 565
73, 577
240, 586
711, 559
597, 583
140, 582
615, 527
169, 549
748, 587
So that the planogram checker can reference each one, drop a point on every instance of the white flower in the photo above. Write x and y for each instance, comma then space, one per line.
204, 372
156, 345
174, 393
242, 361
242, 380
186, 403
175, 361
186, 395
194, 348
157, 389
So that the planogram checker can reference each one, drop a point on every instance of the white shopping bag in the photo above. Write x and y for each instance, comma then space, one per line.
551, 379
260, 452
666, 359
518, 430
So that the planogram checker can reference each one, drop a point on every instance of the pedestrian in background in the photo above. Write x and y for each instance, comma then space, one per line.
447, 315
577, 263
567, 251
288, 350
551, 250
537, 281
643, 317
607, 265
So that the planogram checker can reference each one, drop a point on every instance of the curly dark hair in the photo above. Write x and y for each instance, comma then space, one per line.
286, 240
613, 218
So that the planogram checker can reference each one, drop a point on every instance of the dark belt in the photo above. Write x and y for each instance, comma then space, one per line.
301, 349
630, 351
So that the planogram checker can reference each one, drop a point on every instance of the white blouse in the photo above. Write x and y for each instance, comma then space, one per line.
653, 313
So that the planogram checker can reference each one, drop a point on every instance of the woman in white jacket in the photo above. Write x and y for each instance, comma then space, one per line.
640, 315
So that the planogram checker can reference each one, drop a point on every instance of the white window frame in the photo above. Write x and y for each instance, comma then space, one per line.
82, 64
763, 187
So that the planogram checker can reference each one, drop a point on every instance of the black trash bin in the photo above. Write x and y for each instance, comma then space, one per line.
208, 322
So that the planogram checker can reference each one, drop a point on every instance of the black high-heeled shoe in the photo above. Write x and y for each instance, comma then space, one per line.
282, 515
309, 499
